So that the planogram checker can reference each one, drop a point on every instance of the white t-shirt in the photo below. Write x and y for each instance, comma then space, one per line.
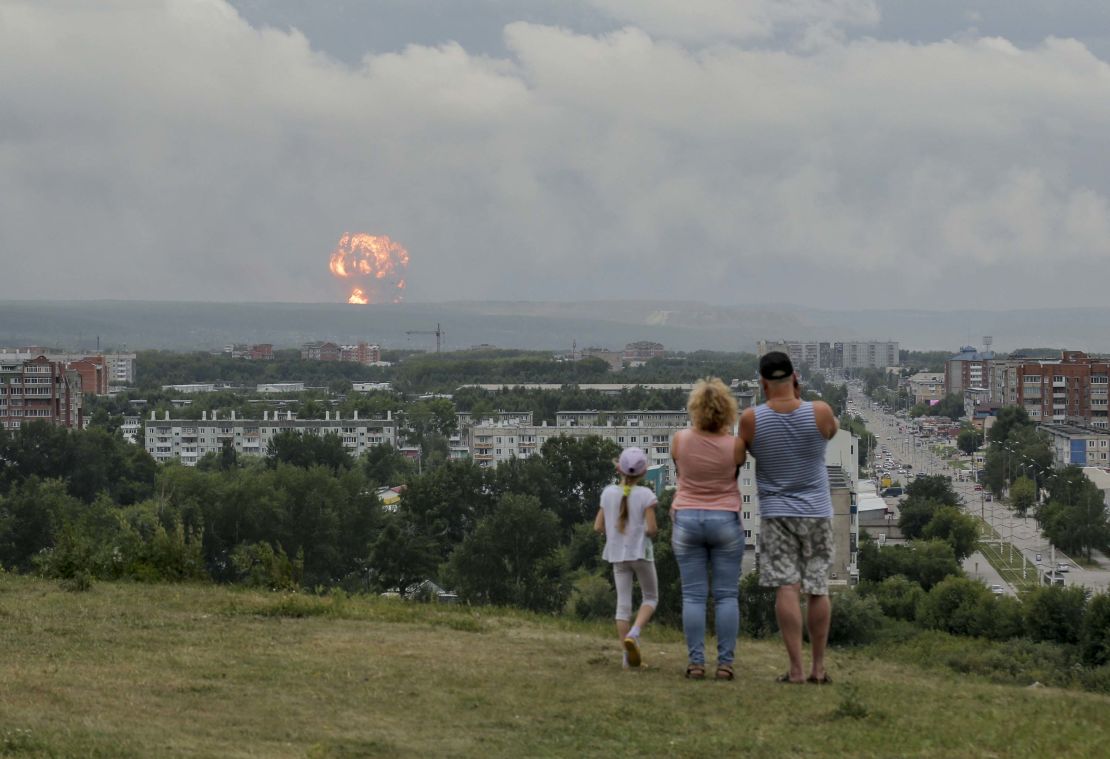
632, 544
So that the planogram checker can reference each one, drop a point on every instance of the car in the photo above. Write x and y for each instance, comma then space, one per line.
978, 488
1062, 567
997, 590
988, 497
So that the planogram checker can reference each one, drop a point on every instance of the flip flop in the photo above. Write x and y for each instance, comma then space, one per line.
823, 680
785, 679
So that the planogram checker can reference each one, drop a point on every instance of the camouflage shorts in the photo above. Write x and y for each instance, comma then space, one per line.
796, 550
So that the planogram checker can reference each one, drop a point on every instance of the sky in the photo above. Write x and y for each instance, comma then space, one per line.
830, 153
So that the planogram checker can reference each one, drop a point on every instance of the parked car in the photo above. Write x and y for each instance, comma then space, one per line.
1063, 567
997, 590
892, 493
978, 488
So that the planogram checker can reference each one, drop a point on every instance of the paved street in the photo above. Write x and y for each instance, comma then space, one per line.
1021, 532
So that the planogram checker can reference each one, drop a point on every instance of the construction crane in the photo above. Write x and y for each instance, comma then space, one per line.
439, 333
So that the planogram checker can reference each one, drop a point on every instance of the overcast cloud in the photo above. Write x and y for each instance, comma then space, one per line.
828, 152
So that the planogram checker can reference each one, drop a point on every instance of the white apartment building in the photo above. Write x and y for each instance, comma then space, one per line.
190, 439
672, 419
1076, 445
491, 444
852, 354
280, 387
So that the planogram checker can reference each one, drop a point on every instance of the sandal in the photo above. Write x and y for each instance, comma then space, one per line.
724, 672
822, 680
695, 672
785, 679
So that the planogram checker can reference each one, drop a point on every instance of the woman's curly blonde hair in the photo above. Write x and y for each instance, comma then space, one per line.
712, 405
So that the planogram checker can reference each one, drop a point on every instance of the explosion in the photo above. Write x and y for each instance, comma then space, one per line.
375, 265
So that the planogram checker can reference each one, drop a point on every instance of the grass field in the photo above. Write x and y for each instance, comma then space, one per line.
167, 671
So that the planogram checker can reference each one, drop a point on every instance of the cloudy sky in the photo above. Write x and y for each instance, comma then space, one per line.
837, 153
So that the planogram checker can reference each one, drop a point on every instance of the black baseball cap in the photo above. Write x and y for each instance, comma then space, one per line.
775, 366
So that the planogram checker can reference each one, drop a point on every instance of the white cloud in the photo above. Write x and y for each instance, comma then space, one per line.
171, 150
699, 21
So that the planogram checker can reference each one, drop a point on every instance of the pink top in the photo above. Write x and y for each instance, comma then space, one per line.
706, 472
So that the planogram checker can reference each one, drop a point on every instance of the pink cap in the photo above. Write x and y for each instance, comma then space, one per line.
633, 462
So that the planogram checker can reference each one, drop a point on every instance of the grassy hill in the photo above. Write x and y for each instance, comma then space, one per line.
130, 670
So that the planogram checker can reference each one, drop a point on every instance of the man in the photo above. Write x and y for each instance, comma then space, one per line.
787, 436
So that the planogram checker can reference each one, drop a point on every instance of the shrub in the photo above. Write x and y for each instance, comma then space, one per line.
956, 605
1095, 634
592, 597
261, 566
1055, 613
897, 596
855, 619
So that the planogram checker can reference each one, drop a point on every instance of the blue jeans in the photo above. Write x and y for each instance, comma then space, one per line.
705, 540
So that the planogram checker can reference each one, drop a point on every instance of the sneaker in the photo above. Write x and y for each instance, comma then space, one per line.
632, 649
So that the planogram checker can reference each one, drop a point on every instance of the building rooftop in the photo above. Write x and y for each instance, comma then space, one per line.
1072, 429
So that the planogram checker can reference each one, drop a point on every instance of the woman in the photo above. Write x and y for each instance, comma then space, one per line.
707, 537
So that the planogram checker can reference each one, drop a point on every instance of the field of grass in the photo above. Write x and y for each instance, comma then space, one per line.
173, 671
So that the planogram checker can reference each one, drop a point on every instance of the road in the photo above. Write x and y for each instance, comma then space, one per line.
906, 448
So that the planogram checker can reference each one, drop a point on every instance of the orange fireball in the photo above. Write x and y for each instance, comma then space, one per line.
375, 266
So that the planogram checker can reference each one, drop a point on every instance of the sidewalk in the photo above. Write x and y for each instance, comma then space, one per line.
977, 567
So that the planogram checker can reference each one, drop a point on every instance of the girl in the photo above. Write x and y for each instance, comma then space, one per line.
627, 519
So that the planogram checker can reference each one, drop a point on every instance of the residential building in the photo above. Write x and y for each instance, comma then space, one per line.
926, 386
494, 443
362, 353
1072, 390
259, 352
39, 390
968, 368
94, 374
852, 354
320, 351
1075, 445
673, 419
190, 439
371, 387
131, 428
641, 352
1003, 379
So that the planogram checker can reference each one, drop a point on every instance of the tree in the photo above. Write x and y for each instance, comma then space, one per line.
955, 528
446, 504
925, 562
1055, 613
508, 558
1075, 517
969, 440
579, 469
1095, 633
951, 406
400, 557
1023, 494
305, 450
386, 466
897, 596
955, 606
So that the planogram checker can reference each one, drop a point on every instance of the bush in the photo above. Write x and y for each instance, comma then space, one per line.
1055, 613
261, 566
1095, 635
592, 597
855, 619
956, 605
757, 608
897, 596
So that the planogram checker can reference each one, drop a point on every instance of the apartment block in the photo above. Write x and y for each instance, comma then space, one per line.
98, 370
39, 390
967, 369
259, 352
494, 443
1075, 445
926, 386
641, 352
1070, 390
190, 439
851, 354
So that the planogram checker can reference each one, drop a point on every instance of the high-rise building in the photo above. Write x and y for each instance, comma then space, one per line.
966, 369
39, 390
852, 354
1071, 390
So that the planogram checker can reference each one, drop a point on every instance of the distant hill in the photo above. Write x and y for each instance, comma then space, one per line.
679, 325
